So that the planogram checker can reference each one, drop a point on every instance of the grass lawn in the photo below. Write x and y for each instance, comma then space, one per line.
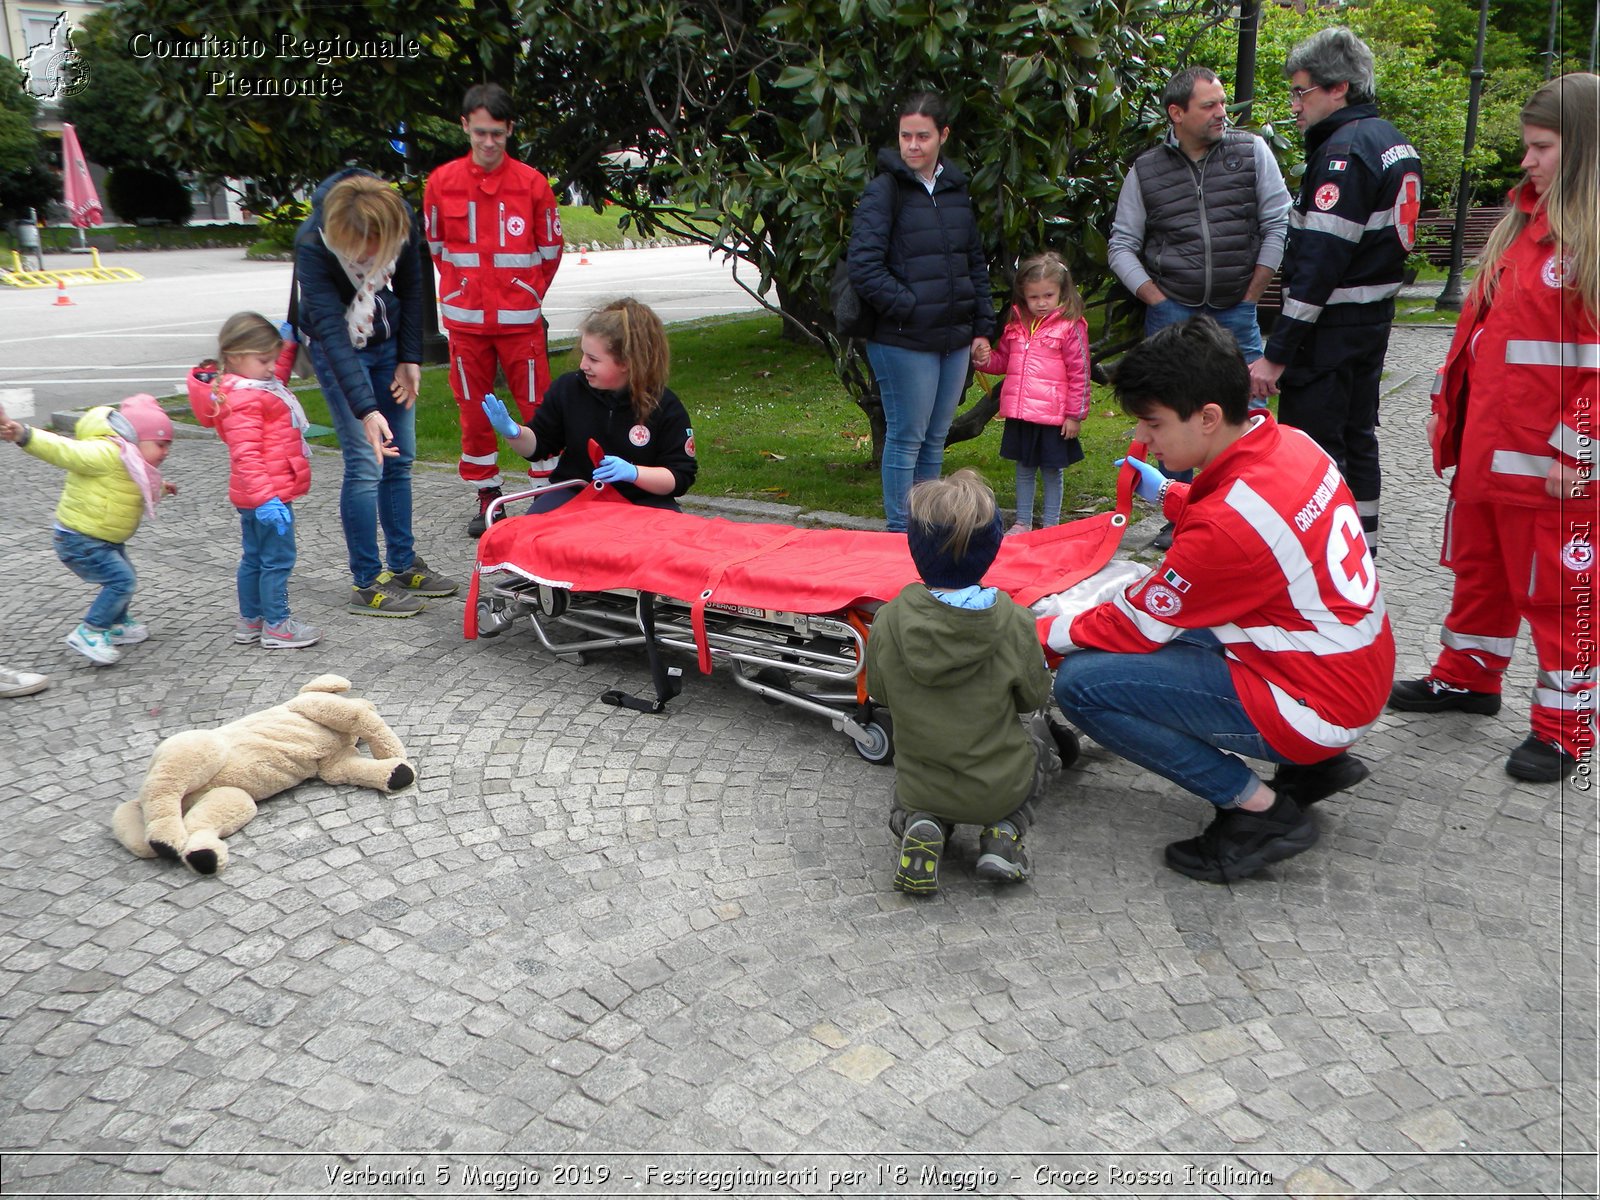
772, 422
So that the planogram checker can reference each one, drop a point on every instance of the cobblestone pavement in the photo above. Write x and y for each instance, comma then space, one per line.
593, 931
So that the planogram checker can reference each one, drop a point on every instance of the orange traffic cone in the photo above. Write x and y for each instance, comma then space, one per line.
583, 255
62, 299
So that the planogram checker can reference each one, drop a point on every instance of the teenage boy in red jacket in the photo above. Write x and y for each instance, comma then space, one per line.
495, 236
1261, 633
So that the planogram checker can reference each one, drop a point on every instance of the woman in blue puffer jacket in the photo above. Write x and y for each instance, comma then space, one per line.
917, 259
360, 289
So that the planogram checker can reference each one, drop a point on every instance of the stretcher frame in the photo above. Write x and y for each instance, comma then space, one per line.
808, 661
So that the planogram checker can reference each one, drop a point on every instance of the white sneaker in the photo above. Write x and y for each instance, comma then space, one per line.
128, 633
246, 631
21, 683
290, 635
95, 645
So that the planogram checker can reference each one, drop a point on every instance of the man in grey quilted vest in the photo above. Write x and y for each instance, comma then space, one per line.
1201, 219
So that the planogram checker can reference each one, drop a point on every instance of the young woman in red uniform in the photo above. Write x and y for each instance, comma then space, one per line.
1514, 414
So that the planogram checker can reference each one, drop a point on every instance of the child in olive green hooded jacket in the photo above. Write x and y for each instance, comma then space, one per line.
956, 664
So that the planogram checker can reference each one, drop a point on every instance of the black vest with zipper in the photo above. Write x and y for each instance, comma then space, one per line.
1202, 226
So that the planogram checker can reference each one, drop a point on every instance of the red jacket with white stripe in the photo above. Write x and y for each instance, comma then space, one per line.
1268, 554
495, 237
1531, 363
1046, 368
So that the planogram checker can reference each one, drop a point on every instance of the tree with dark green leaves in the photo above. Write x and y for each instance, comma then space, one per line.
291, 91
762, 123
26, 180
758, 122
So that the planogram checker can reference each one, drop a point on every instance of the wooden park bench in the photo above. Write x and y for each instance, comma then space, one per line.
1435, 227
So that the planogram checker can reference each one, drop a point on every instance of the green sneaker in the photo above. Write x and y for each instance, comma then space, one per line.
374, 601
419, 580
921, 847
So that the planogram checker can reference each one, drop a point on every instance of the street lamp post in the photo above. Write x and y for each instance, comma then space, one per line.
1244, 71
1450, 298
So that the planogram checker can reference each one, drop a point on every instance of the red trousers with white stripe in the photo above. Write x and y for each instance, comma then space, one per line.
1538, 564
474, 359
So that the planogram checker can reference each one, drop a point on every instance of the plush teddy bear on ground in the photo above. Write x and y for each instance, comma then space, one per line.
203, 785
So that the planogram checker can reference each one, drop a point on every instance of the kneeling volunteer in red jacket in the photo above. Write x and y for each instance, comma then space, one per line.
1261, 633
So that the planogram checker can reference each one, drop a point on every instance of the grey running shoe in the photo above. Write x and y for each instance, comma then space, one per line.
420, 580
289, 634
376, 601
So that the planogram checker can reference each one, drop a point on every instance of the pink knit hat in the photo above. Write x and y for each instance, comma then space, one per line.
150, 422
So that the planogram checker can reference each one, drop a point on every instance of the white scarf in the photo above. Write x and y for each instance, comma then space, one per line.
369, 280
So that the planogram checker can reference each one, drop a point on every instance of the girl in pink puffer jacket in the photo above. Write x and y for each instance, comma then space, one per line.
1044, 355
263, 425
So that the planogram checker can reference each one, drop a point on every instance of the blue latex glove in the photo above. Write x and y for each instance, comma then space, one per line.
286, 332
494, 408
1151, 480
612, 469
275, 513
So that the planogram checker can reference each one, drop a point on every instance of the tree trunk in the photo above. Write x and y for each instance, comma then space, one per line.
971, 423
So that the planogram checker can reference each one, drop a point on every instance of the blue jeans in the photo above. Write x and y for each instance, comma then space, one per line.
1173, 711
371, 494
1240, 320
264, 566
920, 390
97, 561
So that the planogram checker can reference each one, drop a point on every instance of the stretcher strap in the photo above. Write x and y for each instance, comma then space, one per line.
697, 613
668, 683
470, 628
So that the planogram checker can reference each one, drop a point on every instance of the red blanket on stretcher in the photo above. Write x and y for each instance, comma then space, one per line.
599, 541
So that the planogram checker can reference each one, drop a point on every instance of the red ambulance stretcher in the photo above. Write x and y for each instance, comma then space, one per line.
788, 610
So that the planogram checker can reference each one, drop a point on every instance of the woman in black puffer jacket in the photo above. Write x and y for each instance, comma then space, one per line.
917, 259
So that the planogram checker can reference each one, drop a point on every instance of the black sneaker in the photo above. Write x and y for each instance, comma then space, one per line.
1539, 761
1239, 843
486, 497
921, 846
420, 580
1162, 540
1306, 784
1001, 854
1434, 695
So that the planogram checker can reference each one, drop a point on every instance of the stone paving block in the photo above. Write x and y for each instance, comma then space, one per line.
586, 923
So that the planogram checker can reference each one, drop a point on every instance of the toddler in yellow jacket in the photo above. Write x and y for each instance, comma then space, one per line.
113, 464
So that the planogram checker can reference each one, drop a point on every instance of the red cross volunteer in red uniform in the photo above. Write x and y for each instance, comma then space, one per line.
1261, 633
1514, 414
495, 235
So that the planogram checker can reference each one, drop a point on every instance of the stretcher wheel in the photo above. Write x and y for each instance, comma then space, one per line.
878, 748
553, 601
494, 618
1067, 744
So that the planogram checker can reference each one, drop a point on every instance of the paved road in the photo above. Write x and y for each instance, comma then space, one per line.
589, 931
129, 337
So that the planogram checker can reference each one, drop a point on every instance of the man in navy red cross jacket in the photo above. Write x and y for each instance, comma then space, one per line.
1351, 228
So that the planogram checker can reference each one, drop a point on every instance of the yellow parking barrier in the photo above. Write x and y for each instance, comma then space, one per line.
17, 277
